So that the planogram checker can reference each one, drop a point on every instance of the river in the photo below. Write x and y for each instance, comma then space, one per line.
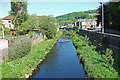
61, 62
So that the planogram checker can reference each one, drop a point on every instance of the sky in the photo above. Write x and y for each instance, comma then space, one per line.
51, 8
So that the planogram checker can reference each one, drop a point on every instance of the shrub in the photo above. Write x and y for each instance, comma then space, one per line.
7, 31
19, 47
96, 64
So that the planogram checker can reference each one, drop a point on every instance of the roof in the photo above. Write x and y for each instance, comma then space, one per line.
39, 16
6, 18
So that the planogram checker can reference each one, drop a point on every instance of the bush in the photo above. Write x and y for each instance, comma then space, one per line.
19, 47
96, 64
7, 31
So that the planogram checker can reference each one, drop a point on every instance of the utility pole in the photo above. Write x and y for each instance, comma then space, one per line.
102, 16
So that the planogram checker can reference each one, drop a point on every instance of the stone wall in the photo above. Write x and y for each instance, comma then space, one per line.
36, 39
104, 40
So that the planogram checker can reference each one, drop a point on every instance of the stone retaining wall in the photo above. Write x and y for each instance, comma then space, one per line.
37, 39
106, 40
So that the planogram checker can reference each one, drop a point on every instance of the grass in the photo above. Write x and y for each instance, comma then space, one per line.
22, 66
96, 64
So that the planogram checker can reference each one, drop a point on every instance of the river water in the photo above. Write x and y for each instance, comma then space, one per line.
61, 62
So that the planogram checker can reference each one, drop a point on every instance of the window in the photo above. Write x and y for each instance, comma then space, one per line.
3, 25
9, 25
9, 21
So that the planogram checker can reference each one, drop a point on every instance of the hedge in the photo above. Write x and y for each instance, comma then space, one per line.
19, 47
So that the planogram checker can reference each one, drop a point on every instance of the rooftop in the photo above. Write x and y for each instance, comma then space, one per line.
6, 18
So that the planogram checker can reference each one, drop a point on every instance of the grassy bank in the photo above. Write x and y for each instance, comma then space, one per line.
96, 64
22, 67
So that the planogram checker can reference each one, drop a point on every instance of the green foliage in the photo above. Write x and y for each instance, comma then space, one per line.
18, 14
96, 64
31, 24
21, 66
48, 26
19, 47
72, 17
113, 9
7, 31
107, 56
65, 22
1, 24
111, 15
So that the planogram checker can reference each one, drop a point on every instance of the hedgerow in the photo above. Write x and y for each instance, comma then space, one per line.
96, 64
21, 66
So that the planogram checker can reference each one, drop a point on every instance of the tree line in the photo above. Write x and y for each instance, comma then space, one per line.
23, 22
74, 16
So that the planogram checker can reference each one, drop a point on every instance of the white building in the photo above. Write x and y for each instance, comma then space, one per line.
86, 23
7, 23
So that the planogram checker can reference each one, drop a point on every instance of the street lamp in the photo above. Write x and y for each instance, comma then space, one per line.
102, 16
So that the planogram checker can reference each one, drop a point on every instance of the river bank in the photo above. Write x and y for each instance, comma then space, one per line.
62, 62
23, 67
96, 64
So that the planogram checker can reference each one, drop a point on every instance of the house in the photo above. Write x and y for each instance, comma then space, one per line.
7, 23
86, 23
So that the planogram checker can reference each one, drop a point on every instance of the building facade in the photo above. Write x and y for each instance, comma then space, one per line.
86, 23
7, 23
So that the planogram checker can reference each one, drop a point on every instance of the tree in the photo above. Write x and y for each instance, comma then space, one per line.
111, 15
48, 26
1, 24
18, 14
31, 24
114, 15
75, 16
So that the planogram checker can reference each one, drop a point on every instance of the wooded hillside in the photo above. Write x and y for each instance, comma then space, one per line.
74, 16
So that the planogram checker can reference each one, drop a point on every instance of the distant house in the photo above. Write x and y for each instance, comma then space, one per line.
7, 23
86, 23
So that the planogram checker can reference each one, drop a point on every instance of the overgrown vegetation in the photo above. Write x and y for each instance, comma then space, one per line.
96, 64
18, 14
72, 17
19, 47
18, 68
45, 24
6, 31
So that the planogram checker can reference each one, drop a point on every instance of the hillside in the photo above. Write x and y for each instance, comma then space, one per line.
74, 16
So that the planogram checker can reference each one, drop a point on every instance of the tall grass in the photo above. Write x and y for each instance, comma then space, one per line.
96, 64
20, 67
